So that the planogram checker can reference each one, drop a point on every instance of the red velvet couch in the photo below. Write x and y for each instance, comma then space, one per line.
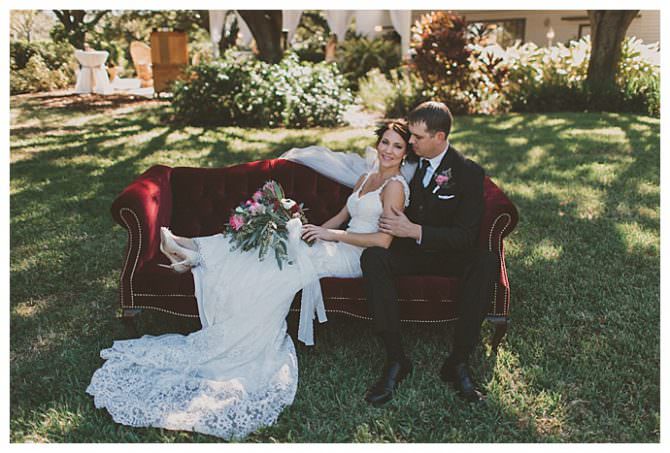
198, 202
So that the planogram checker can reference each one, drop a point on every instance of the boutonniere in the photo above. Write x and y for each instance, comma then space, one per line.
443, 180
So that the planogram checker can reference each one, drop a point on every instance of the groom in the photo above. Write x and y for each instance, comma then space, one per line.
435, 236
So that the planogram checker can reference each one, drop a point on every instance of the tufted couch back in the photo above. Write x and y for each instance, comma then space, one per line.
198, 201
203, 198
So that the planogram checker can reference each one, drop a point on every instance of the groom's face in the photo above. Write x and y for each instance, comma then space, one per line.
424, 143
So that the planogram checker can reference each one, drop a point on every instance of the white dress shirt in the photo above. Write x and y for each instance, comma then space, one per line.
433, 164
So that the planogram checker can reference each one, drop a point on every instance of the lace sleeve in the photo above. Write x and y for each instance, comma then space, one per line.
405, 187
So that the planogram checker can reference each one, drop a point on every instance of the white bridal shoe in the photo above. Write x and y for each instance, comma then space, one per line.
176, 252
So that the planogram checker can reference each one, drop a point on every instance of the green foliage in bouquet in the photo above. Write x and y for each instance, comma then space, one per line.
260, 222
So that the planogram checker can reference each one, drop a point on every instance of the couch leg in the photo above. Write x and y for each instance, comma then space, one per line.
500, 331
129, 318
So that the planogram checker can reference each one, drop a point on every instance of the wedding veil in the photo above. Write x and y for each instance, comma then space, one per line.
343, 167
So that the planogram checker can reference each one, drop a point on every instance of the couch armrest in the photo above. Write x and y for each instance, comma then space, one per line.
142, 208
500, 218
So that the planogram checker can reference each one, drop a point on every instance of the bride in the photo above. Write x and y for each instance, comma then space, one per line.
239, 371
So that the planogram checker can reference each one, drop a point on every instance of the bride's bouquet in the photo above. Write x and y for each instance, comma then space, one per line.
260, 222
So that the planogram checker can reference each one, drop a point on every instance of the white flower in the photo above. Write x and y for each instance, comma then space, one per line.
287, 203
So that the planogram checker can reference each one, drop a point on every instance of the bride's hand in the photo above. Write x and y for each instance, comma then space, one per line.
313, 232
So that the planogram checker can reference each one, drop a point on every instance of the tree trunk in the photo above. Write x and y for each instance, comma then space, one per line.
203, 14
75, 27
229, 36
608, 30
266, 27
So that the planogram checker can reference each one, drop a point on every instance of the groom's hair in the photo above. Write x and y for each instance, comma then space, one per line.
435, 115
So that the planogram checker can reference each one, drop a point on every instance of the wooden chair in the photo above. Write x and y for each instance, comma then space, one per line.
141, 55
169, 58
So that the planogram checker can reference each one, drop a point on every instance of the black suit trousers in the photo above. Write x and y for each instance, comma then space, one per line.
477, 270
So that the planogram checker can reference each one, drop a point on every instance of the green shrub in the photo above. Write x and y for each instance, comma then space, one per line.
36, 76
20, 52
639, 78
311, 37
408, 93
56, 55
220, 93
642, 94
312, 94
393, 96
357, 55
487, 82
247, 92
448, 57
40, 66
554, 79
375, 90
440, 52
548, 78
113, 47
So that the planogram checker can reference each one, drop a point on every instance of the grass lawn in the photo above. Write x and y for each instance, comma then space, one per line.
580, 362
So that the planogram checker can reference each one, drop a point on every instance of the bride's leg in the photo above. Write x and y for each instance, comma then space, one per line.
182, 258
187, 243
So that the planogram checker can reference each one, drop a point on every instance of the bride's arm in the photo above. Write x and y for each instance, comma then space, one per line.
338, 219
393, 195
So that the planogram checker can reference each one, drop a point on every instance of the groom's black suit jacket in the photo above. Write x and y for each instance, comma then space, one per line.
450, 215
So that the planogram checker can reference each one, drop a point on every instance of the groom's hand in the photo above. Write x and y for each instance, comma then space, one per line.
397, 224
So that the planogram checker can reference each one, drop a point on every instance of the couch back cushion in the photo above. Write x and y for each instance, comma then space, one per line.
203, 198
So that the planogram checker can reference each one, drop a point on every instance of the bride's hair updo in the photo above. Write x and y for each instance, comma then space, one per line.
400, 127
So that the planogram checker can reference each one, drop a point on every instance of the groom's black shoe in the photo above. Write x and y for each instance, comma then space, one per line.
382, 391
459, 376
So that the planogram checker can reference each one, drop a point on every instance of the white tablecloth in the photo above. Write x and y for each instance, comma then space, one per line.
93, 74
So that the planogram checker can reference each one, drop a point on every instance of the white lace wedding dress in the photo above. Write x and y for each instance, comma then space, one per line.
239, 371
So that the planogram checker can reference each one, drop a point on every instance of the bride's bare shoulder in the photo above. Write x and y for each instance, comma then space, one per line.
396, 190
393, 188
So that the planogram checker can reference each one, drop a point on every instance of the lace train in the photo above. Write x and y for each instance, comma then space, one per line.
148, 382
239, 371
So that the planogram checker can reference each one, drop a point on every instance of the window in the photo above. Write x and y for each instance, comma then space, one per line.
504, 32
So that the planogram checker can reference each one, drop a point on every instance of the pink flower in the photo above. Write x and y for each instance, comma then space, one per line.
257, 196
236, 221
256, 208
269, 187
441, 180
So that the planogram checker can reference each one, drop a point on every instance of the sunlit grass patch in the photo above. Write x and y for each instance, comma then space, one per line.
638, 239
580, 362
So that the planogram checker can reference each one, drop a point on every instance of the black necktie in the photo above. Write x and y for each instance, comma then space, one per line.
423, 166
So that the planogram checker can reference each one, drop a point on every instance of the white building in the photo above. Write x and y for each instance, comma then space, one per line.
542, 27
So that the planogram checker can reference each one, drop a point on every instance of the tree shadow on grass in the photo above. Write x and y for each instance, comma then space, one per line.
44, 106
579, 297
576, 281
